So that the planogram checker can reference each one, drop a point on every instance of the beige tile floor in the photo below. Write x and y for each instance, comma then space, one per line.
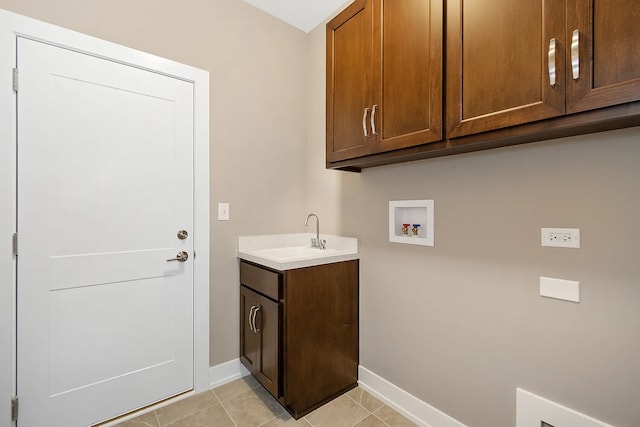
245, 403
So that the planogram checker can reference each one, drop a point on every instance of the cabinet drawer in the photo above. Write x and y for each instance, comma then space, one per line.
266, 282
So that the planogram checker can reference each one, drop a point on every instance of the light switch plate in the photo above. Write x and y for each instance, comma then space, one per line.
567, 290
223, 211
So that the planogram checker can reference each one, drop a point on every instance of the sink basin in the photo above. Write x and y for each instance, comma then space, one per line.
288, 251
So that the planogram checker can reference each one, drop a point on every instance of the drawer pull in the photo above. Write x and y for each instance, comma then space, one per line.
552, 62
575, 54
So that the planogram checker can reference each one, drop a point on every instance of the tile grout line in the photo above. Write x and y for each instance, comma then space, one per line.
370, 412
360, 405
250, 390
270, 419
228, 414
188, 414
381, 420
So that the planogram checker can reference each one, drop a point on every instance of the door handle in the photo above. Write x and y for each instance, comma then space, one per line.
181, 257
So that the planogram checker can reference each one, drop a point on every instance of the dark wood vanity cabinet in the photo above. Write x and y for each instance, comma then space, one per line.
299, 331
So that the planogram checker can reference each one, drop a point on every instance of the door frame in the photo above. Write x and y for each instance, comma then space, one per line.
13, 25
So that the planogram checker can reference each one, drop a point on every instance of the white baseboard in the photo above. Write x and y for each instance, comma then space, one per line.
226, 372
406, 404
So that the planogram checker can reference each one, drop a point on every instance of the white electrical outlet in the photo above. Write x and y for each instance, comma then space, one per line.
561, 237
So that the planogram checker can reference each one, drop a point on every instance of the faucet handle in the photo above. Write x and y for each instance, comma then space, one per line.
314, 242
322, 244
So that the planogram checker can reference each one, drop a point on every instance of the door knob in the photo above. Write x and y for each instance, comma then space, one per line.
182, 234
181, 257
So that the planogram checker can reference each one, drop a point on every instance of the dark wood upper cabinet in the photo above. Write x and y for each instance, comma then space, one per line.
603, 38
384, 77
516, 71
501, 55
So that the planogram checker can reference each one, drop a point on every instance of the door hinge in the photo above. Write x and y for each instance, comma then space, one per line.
15, 79
14, 409
15, 244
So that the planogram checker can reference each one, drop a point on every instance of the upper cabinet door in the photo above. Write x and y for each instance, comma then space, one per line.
604, 48
384, 77
349, 82
407, 73
502, 58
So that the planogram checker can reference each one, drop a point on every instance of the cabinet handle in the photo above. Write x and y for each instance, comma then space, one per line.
364, 122
253, 307
373, 120
255, 313
575, 54
552, 62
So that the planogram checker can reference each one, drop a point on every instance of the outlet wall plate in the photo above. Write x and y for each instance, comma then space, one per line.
560, 237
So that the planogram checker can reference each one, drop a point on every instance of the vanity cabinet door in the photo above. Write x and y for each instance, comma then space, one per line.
604, 49
249, 340
267, 326
260, 325
505, 63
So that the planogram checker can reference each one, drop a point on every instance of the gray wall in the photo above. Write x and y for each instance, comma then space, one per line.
459, 325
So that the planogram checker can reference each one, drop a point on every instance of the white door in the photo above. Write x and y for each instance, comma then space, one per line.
105, 182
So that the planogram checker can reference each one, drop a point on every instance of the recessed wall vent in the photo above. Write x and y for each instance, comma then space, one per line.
536, 411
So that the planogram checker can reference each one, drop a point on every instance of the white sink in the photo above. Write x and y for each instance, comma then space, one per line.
288, 251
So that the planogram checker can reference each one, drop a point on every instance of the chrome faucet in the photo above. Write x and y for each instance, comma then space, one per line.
315, 241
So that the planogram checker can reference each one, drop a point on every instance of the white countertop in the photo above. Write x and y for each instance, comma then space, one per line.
289, 251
